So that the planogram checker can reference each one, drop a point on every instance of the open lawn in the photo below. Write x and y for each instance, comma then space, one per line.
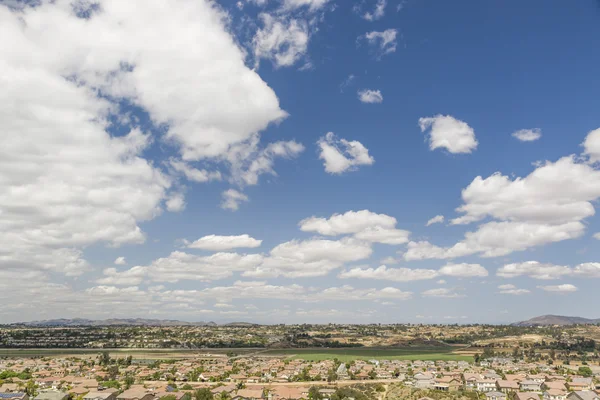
159, 354
349, 354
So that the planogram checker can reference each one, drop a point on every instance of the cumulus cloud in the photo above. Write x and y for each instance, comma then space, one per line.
377, 13
281, 39
533, 269
447, 132
591, 146
364, 225
528, 135
89, 184
390, 274
341, 155
384, 42
438, 219
597, 236
537, 270
193, 174
549, 205
120, 261
220, 243
312, 5
370, 96
463, 270
564, 288
442, 292
512, 290
408, 274
232, 199
131, 277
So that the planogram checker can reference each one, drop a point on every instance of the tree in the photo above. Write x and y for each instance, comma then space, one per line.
129, 380
31, 389
187, 386
203, 394
169, 397
313, 393
224, 396
585, 371
104, 358
476, 358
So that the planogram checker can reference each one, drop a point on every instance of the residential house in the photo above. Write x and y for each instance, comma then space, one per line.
104, 395
485, 385
249, 394
447, 384
9, 387
506, 387
555, 394
526, 396
52, 395
530, 386
583, 395
579, 384
423, 380
13, 396
495, 396
137, 393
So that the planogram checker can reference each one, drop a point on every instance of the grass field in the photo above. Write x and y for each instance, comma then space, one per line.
413, 353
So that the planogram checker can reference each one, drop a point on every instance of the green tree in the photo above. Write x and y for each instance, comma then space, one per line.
169, 397
129, 380
31, 389
585, 371
313, 393
203, 394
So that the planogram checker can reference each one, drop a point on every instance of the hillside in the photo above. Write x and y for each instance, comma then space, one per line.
546, 320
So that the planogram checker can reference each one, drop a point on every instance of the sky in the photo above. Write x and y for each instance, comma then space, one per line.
290, 161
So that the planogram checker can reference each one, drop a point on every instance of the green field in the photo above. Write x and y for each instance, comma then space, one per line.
345, 355
135, 353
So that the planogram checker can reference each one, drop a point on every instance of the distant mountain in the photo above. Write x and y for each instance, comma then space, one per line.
113, 322
546, 320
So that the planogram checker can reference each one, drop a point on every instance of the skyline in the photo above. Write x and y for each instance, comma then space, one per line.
299, 160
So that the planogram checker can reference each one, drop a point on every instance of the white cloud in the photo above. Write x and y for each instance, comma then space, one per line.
549, 205
345, 293
597, 236
564, 288
408, 274
438, 219
384, 42
364, 224
183, 266
341, 155
194, 174
442, 292
449, 133
463, 270
120, 261
131, 277
312, 5
591, 145
377, 13
232, 199
175, 202
533, 269
347, 223
370, 96
537, 270
87, 185
220, 243
512, 290
390, 274
390, 260
528, 135
248, 162
282, 40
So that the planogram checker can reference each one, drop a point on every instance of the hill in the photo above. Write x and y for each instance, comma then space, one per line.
546, 320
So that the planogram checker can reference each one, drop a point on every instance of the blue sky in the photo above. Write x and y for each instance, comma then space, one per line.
314, 140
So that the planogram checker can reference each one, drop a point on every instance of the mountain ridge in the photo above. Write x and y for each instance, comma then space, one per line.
561, 320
